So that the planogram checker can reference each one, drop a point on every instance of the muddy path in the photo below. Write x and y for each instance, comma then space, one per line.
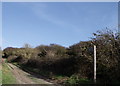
23, 77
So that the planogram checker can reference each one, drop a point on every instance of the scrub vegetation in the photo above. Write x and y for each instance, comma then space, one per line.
72, 65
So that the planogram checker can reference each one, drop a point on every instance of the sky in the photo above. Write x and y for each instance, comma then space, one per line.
0, 25
63, 23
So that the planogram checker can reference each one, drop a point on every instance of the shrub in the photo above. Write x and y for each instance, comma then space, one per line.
75, 60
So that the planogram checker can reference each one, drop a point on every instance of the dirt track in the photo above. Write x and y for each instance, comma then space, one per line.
23, 77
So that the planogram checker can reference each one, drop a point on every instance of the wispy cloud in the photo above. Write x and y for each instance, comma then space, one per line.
41, 11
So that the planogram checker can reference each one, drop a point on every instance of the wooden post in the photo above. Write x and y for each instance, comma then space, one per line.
94, 64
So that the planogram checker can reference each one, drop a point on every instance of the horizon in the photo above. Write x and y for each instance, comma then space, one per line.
47, 23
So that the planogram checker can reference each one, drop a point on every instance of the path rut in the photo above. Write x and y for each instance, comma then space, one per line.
22, 77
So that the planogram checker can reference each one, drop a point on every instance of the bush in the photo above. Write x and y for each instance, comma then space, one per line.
75, 60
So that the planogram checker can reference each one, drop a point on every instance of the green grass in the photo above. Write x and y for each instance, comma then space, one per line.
0, 77
7, 76
74, 80
59, 76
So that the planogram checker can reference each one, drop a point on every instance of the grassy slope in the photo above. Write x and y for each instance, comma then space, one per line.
0, 77
7, 77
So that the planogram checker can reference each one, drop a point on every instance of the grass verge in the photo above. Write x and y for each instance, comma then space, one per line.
7, 76
0, 77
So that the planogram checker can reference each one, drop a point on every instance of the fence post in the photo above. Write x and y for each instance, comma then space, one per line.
94, 63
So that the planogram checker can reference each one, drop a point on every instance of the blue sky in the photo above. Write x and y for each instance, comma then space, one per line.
0, 24
60, 23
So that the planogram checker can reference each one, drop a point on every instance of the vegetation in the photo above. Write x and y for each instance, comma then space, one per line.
8, 77
75, 62
0, 67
